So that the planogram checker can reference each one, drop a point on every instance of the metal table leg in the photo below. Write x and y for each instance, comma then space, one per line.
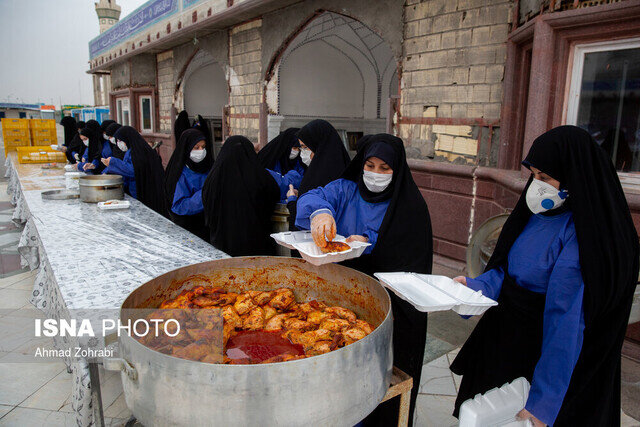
96, 395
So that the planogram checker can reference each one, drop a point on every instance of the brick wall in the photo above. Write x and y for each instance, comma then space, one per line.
451, 88
245, 77
166, 86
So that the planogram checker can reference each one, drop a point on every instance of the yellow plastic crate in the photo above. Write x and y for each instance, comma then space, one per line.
15, 133
43, 133
42, 123
40, 155
15, 123
16, 141
38, 141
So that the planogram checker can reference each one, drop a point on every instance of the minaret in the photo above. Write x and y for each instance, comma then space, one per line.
108, 14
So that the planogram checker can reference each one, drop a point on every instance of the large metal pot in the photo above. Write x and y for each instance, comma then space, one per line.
100, 188
336, 388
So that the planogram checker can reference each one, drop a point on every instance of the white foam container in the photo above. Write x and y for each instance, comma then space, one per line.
497, 407
302, 241
72, 180
114, 204
70, 168
429, 293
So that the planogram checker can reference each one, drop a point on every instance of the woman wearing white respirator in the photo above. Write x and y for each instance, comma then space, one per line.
186, 172
325, 157
377, 201
564, 272
281, 157
109, 132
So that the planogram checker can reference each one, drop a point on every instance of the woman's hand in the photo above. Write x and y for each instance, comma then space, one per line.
526, 415
357, 238
106, 161
84, 160
292, 191
89, 166
461, 279
323, 228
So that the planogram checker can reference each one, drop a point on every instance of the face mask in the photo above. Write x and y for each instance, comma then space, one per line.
85, 142
198, 155
112, 140
376, 182
305, 156
105, 136
293, 154
542, 197
122, 146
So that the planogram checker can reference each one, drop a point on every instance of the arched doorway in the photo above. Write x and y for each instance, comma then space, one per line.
205, 92
335, 68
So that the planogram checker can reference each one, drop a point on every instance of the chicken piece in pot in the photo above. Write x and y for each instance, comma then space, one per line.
254, 320
316, 317
319, 347
231, 317
269, 312
244, 304
298, 324
342, 313
353, 334
276, 323
283, 298
194, 351
260, 297
365, 326
334, 325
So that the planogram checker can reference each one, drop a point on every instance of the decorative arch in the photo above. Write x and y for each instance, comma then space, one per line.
353, 49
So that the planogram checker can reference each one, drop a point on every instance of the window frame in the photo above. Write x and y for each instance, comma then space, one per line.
577, 70
141, 98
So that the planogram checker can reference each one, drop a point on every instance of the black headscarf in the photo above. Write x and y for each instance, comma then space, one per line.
71, 138
180, 158
278, 150
105, 124
81, 124
239, 196
330, 159
148, 170
201, 124
608, 249
405, 241
111, 131
92, 131
181, 124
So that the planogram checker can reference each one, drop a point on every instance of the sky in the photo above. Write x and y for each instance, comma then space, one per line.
44, 49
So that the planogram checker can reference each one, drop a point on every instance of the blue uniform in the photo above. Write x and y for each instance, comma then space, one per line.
298, 167
545, 259
292, 177
105, 154
124, 167
187, 199
353, 215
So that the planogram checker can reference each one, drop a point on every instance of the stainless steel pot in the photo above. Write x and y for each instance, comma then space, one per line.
100, 188
336, 388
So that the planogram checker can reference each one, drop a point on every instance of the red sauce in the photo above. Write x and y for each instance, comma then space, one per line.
258, 346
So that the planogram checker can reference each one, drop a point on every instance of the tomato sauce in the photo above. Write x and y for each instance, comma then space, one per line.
258, 346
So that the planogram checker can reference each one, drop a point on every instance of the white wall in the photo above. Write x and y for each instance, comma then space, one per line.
336, 67
205, 91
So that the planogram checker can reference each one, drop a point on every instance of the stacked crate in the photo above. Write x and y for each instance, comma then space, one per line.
15, 133
43, 132
40, 155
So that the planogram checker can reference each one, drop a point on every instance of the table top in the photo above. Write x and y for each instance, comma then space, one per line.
99, 257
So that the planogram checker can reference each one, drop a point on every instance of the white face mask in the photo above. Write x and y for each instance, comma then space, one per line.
85, 142
293, 154
376, 182
105, 136
305, 156
122, 146
198, 155
542, 197
112, 140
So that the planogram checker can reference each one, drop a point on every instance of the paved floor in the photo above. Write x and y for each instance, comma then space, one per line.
38, 394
